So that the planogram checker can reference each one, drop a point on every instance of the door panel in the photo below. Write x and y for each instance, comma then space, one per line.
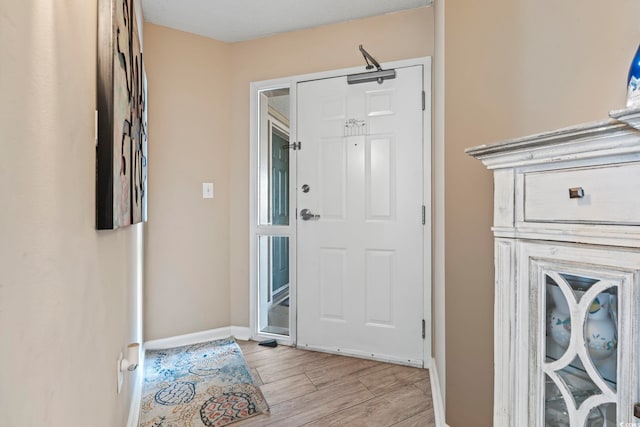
332, 178
379, 283
380, 186
360, 262
332, 278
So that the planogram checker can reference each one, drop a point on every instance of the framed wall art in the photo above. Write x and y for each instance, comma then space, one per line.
121, 150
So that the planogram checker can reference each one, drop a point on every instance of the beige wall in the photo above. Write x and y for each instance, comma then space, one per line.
198, 250
69, 295
512, 69
187, 256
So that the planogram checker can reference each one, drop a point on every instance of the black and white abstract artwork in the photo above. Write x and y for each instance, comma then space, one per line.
121, 151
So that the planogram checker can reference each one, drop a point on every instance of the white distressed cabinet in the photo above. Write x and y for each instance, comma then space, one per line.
567, 275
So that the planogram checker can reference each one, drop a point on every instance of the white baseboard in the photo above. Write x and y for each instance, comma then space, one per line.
436, 394
239, 332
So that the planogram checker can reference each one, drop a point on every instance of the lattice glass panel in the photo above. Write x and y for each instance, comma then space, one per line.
580, 350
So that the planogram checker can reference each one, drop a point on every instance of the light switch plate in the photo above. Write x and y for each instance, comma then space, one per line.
207, 190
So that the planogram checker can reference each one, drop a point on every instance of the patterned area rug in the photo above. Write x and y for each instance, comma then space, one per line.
205, 384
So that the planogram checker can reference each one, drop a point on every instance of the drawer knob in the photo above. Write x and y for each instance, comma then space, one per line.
576, 193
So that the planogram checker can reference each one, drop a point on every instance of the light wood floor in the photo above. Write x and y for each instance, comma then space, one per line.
317, 389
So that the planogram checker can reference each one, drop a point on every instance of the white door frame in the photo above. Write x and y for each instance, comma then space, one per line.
256, 230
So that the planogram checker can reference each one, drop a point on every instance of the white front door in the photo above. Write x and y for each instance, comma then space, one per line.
360, 240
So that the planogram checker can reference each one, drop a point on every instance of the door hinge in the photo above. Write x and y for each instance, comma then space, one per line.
424, 100
424, 329
424, 214
294, 146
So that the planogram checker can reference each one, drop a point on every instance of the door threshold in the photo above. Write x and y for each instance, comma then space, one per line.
416, 363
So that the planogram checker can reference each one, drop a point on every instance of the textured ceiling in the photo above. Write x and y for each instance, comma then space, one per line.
238, 20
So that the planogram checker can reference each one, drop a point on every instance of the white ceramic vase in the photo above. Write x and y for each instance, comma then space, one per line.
560, 321
600, 334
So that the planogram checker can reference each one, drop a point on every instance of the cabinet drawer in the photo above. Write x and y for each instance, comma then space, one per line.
610, 194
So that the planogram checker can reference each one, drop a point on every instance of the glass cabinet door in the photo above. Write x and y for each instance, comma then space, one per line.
579, 332
580, 350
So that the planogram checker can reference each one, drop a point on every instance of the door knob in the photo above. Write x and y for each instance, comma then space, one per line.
306, 215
